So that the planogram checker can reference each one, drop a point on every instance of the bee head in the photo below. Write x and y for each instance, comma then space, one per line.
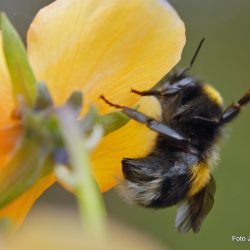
185, 92
186, 97
191, 106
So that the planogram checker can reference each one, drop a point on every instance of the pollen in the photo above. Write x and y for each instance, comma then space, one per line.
213, 94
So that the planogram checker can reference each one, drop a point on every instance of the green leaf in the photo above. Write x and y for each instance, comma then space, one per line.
22, 76
113, 121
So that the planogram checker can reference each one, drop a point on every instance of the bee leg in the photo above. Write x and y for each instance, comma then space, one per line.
147, 92
204, 121
157, 93
151, 123
232, 111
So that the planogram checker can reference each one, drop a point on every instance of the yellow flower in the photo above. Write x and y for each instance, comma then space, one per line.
96, 47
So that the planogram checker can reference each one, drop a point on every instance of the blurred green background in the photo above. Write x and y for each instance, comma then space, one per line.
224, 62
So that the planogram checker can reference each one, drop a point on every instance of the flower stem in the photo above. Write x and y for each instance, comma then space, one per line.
91, 205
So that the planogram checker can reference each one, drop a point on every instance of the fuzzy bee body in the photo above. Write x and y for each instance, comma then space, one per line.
178, 169
158, 181
170, 173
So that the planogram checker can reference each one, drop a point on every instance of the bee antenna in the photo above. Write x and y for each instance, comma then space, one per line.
196, 52
194, 56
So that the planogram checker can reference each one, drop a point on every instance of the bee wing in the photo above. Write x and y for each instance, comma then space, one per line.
193, 211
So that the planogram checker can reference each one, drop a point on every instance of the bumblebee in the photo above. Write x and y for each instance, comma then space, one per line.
178, 169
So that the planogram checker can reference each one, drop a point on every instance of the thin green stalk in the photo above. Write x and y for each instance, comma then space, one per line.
91, 205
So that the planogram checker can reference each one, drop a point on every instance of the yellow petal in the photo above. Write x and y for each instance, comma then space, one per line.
132, 140
6, 99
104, 47
18, 209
